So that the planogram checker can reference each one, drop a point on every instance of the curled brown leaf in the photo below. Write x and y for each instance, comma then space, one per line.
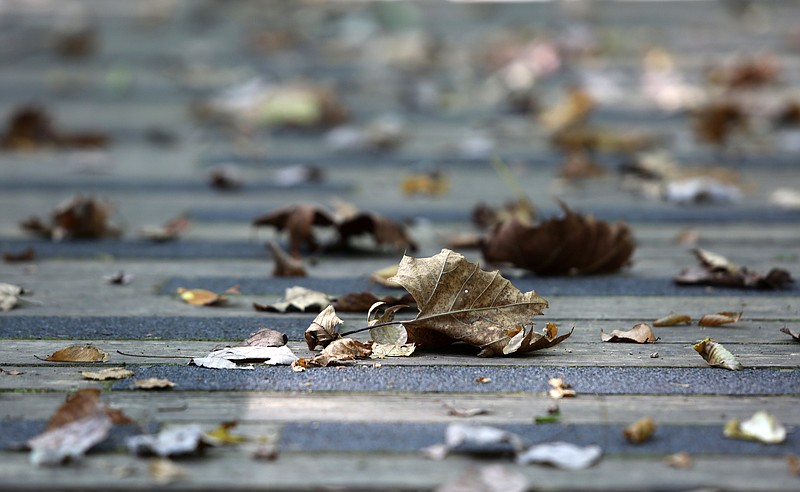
673, 319
719, 319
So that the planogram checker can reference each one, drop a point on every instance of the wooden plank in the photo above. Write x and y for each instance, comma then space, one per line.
230, 469
270, 407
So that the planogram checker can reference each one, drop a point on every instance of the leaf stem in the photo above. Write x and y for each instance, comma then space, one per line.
120, 352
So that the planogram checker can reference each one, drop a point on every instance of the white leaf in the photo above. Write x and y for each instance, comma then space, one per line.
561, 455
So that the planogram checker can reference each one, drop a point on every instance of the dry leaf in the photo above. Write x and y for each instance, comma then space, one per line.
248, 354
383, 275
561, 455
486, 217
169, 231
164, 471
560, 389
298, 221
434, 183
78, 353
28, 254
31, 128
474, 439
9, 296
716, 270
489, 478
153, 384
572, 245
762, 427
794, 465
716, 355
795, 335
323, 330
640, 333
464, 412
297, 299
226, 177
579, 165
719, 319
223, 435
341, 350
110, 373
681, 460
266, 337
172, 441
285, 265
119, 278
747, 73
381, 351
201, 297
383, 331
362, 301
673, 319
640, 431
460, 302
483, 380
81, 422
717, 121
76, 218
12, 372
569, 111
384, 231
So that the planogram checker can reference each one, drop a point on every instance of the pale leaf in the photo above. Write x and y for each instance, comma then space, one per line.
762, 427
282, 355
110, 373
164, 471
201, 297
380, 351
673, 319
70, 441
173, 441
267, 337
394, 334
217, 363
795, 335
490, 478
297, 299
561, 455
716, 355
641, 333
9, 296
478, 438
78, 353
460, 302
153, 384
323, 330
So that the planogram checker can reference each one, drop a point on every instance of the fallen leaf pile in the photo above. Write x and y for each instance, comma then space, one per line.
572, 245
78, 425
76, 218
30, 128
479, 439
718, 271
299, 221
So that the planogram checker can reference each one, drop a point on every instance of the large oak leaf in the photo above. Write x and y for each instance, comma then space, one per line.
460, 302
571, 245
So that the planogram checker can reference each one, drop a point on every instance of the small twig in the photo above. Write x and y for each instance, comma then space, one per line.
159, 356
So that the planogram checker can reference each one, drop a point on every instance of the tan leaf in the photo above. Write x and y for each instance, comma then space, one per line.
78, 353
460, 302
716, 355
381, 351
383, 275
681, 460
715, 122
164, 471
323, 330
572, 245
76, 218
483, 380
762, 427
719, 319
434, 183
298, 221
341, 350
169, 231
30, 127
153, 384
570, 110
640, 333
285, 265
297, 299
110, 373
201, 297
266, 337
673, 319
521, 210
640, 431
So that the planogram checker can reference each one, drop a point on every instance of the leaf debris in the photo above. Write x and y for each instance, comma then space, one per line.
717, 355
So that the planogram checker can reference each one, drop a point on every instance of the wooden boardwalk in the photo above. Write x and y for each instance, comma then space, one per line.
362, 427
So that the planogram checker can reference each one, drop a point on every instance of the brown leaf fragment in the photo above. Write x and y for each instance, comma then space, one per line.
579, 165
343, 349
460, 302
164, 471
78, 353
483, 380
201, 297
640, 333
298, 221
110, 373
324, 329
356, 302
222, 434
719, 319
153, 384
574, 108
681, 460
560, 389
28, 254
673, 319
716, 122
285, 265
793, 464
572, 245
266, 337
716, 355
169, 231
794, 334
76, 218
640, 431
31, 128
